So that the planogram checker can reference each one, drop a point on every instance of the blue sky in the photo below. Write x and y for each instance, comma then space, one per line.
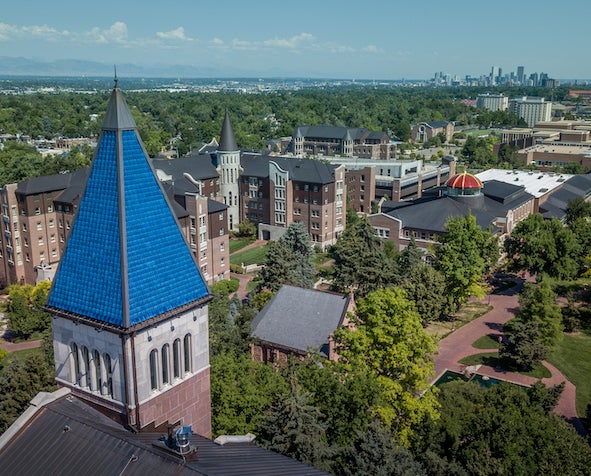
367, 39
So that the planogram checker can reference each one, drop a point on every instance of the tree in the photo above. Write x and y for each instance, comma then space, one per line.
543, 246
21, 380
537, 303
376, 452
426, 287
523, 348
502, 430
464, 253
288, 260
25, 308
577, 208
360, 262
294, 428
246, 229
388, 341
242, 391
410, 257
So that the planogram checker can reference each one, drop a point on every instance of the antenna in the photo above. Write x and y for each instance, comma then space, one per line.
115, 79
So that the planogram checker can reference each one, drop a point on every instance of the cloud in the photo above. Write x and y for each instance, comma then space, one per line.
371, 49
176, 34
13, 32
290, 43
217, 42
116, 33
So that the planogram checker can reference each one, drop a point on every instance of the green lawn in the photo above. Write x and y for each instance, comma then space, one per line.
572, 356
256, 255
19, 355
239, 243
486, 342
468, 312
492, 360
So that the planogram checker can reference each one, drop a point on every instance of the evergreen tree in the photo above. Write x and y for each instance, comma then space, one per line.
360, 262
288, 260
295, 428
375, 452
523, 348
537, 303
410, 257
426, 287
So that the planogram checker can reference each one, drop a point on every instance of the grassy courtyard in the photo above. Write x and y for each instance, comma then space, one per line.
572, 356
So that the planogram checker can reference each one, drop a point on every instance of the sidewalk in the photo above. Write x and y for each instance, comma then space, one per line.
458, 345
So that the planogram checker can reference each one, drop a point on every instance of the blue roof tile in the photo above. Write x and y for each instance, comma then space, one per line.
126, 260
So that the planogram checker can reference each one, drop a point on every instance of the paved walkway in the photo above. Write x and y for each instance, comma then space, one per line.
458, 345
11, 347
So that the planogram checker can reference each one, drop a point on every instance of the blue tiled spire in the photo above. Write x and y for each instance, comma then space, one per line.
126, 260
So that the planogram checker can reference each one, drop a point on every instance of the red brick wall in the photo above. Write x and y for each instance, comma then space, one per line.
189, 402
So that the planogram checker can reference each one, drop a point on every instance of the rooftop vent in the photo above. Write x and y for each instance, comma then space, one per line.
178, 442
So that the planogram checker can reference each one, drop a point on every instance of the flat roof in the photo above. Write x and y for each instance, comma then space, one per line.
535, 182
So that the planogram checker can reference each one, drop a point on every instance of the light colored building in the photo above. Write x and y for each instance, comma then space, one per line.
424, 131
492, 102
531, 109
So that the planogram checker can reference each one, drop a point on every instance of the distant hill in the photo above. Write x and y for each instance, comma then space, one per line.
19, 66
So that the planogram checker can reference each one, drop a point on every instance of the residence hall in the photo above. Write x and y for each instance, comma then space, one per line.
495, 205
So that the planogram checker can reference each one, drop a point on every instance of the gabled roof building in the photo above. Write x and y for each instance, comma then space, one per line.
297, 321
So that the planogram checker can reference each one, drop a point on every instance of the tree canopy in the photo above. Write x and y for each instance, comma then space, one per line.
288, 260
464, 254
388, 341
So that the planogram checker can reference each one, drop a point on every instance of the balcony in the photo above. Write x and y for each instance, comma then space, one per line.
5, 218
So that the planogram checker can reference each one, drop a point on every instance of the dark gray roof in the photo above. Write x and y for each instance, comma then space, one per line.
198, 166
227, 139
300, 170
433, 214
555, 206
300, 319
332, 132
436, 124
69, 437
502, 191
213, 206
118, 115
76, 188
47, 183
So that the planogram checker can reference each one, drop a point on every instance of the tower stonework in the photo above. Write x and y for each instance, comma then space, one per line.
229, 170
129, 305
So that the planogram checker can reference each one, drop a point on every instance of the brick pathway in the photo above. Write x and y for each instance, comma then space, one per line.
458, 345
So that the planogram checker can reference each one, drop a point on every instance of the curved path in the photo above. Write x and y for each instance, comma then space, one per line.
458, 345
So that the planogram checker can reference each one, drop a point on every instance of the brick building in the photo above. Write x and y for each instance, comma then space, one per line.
424, 131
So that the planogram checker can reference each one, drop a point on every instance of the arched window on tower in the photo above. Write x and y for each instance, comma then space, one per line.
187, 341
75, 367
109, 374
176, 358
165, 365
96, 357
154, 370
87, 368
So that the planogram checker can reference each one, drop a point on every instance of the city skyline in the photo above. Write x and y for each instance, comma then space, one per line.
373, 40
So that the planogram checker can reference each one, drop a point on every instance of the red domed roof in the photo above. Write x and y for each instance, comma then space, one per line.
464, 181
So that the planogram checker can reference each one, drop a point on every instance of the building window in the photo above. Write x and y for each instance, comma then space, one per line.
176, 358
87, 372
51, 223
52, 238
222, 246
165, 369
49, 208
109, 374
53, 253
221, 231
187, 352
39, 227
221, 216
75, 364
24, 227
154, 370
37, 211
96, 357
222, 263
